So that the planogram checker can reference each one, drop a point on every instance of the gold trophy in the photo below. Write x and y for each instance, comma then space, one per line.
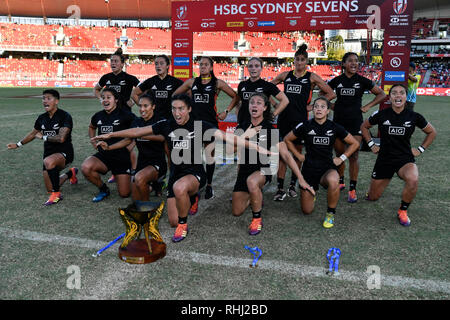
138, 215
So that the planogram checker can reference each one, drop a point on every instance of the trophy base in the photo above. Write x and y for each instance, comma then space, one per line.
136, 252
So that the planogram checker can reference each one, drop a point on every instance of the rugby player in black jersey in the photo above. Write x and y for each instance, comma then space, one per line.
298, 87
187, 175
319, 167
348, 110
252, 177
256, 84
151, 164
395, 155
204, 91
114, 156
55, 128
162, 86
123, 83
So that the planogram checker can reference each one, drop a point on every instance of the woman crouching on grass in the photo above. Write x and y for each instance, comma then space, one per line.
395, 155
187, 174
319, 166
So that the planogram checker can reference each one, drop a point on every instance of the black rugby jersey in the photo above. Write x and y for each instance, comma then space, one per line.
117, 120
264, 138
151, 150
396, 131
51, 126
319, 141
185, 142
162, 90
245, 91
123, 83
349, 92
204, 98
299, 93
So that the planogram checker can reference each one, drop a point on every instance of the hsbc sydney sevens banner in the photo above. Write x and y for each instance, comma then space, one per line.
394, 16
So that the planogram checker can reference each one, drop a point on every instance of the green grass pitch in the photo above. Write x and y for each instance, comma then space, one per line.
39, 244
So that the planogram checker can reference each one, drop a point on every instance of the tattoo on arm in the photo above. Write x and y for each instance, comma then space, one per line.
61, 137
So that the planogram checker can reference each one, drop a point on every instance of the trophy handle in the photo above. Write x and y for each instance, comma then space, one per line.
154, 221
133, 230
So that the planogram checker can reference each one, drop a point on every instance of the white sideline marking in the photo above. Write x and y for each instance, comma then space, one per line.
209, 259
19, 115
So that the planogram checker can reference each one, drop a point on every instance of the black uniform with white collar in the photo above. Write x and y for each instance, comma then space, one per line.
349, 92
123, 83
162, 90
185, 144
118, 161
50, 127
396, 130
319, 142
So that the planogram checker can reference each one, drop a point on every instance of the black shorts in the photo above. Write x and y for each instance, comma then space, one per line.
353, 126
313, 175
241, 180
285, 126
385, 168
197, 171
68, 154
117, 165
159, 165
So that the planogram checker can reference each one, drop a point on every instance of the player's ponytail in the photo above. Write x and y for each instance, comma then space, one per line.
119, 53
301, 51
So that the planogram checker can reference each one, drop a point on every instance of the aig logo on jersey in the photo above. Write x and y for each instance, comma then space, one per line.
294, 88
106, 129
202, 98
161, 94
180, 144
50, 133
347, 92
396, 131
324, 141
247, 95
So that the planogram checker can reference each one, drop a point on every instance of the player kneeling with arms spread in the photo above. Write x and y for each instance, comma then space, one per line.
185, 138
395, 155
319, 166
252, 177
54, 127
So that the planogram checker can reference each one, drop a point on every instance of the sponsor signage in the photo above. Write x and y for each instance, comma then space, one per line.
394, 76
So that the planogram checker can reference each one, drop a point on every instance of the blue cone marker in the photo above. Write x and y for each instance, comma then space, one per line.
99, 252
256, 255
333, 259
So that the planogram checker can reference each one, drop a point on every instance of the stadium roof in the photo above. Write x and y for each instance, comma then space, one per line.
149, 9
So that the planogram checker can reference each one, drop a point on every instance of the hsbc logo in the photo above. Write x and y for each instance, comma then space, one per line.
161, 94
205, 25
396, 131
395, 20
178, 45
294, 88
178, 25
324, 141
347, 92
400, 6
392, 43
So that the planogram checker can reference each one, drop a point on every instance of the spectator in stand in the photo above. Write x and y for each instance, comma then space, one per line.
413, 84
